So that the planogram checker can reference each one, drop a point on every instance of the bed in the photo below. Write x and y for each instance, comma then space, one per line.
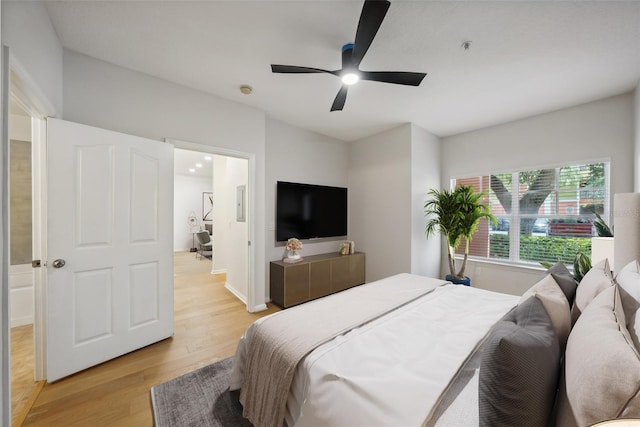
417, 351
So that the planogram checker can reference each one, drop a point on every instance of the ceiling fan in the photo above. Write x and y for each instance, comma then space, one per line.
373, 13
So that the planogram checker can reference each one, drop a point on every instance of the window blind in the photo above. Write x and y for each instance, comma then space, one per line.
544, 214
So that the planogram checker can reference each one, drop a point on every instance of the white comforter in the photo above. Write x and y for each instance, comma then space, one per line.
392, 370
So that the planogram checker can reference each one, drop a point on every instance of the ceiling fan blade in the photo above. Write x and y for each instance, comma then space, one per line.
341, 98
373, 13
294, 69
397, 77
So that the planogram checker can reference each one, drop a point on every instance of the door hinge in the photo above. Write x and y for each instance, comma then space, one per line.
249, 242
36, 263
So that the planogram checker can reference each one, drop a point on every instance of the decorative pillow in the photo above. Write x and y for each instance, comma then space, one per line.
519, 368
602, 366
628, 280
555, 303
565, 280
595, 281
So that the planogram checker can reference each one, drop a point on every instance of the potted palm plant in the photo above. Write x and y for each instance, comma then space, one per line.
456, 214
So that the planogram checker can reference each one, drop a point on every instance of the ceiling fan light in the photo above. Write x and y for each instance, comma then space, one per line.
350, 78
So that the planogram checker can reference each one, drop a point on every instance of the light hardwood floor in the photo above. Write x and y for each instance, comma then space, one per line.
209, 320
22, 383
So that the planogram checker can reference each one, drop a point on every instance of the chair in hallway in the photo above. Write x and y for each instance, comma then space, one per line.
204, 244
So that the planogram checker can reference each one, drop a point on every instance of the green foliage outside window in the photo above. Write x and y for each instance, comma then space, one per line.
541, 248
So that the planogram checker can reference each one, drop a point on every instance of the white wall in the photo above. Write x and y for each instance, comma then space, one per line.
5, 369
298, 155
19, 127
380, 200
21, 294
636, 157
27, 30
221, 200
100, 94
36, 56
425, 174
597, 130
20, 276
237, 233
187, 197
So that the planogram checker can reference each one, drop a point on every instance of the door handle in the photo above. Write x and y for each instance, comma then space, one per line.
59, 263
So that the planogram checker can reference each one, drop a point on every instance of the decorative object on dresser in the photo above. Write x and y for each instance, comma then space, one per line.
348, 247
293, 246
314, 277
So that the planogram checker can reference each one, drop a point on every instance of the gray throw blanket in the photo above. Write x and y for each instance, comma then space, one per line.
282, 340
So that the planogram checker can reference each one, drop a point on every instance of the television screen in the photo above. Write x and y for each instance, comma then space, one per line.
310, 211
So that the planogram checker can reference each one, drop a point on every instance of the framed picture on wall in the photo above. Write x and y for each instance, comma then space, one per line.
207, 206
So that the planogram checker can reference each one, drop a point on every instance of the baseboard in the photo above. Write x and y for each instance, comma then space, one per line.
259, 307
220, 271
21, 321
236, 293
255, 309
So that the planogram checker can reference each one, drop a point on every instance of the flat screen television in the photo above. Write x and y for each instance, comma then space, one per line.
310, 211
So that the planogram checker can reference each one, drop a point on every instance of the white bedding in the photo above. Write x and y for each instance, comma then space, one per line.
393, 370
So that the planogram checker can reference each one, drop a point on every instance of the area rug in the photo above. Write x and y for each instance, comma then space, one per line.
200, 398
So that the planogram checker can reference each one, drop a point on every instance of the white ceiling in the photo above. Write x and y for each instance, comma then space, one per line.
525, 57
186, 160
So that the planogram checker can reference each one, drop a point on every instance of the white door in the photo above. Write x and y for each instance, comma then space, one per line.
109, 245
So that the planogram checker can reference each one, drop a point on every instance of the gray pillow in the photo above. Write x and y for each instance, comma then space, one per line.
565, 280
519, 369
556, 305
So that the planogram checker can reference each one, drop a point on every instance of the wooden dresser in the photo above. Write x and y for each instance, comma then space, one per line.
314, 277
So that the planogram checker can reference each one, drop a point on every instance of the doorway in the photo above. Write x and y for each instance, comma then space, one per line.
210, 195
240, 206
21, 278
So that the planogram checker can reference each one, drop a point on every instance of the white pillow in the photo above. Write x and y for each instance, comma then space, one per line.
555, 303
628, 280
602, 368
595, 281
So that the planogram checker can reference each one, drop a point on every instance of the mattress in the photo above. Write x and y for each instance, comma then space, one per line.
412, 366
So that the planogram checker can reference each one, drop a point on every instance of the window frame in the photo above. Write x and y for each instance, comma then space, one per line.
515, 216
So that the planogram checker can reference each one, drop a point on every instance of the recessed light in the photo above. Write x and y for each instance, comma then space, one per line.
207, 157
198, 165
192, 170
246, 89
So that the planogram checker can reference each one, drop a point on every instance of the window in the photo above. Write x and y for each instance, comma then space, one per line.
543, 214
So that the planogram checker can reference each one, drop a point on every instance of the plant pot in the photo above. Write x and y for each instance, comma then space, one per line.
466, 281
